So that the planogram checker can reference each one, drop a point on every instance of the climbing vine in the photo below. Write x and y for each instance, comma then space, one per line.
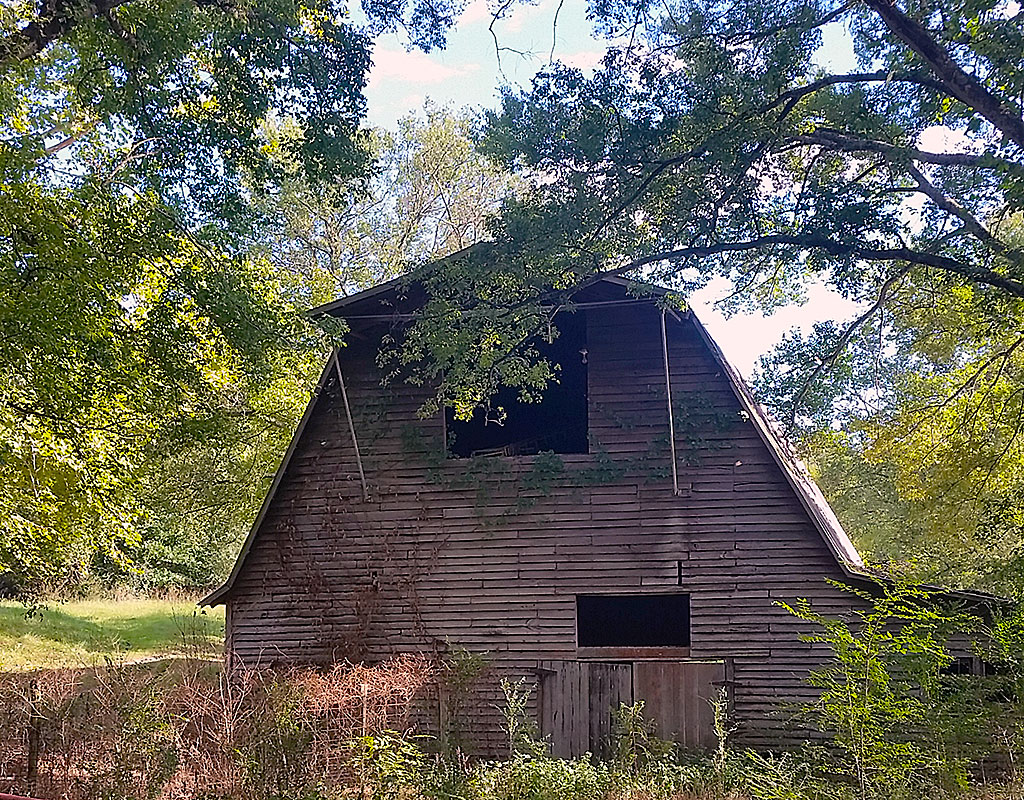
700, 427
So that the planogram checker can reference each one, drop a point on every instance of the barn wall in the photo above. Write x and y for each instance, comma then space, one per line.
489, 554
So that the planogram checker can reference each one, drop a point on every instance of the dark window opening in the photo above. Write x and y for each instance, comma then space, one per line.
960, 665
638, 620
971, 674
1001, 687
556, 423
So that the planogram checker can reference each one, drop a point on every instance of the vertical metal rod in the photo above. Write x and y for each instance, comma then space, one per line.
352, 427
671, 415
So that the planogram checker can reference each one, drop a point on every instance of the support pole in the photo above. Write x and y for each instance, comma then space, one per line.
352, 427
671, 414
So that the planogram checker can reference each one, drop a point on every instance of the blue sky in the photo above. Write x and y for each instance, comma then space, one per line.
468, 72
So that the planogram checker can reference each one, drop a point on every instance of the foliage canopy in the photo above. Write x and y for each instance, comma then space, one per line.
138, 143
712, 141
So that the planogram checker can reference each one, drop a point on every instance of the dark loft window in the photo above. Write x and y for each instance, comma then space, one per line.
558, 422
634, 620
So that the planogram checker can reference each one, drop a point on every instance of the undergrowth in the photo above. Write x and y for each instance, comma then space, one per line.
891, 722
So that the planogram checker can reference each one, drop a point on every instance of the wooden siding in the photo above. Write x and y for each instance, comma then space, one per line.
489, 554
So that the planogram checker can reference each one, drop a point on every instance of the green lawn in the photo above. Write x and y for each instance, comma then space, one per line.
84, 632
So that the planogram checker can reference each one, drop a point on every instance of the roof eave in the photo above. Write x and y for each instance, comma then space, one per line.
221, 593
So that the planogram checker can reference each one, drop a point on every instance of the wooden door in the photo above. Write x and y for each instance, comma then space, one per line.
611, 685
578, 698
564, 715
677, 698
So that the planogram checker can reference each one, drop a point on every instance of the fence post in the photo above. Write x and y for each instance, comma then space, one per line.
34, 736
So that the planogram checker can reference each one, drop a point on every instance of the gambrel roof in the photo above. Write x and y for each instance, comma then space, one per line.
398, 299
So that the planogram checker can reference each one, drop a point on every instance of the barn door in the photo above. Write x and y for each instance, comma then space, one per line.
564, 716
578, 698
677, 699
611, 685
576, 704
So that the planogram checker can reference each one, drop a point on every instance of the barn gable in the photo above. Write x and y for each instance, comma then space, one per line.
374, 541
393, 300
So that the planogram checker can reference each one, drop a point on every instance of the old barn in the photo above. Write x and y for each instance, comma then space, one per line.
628, 538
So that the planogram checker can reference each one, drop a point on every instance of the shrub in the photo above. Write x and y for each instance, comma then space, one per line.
883, 699
524, 777
635, 747
184, 729
520, 727
386, 764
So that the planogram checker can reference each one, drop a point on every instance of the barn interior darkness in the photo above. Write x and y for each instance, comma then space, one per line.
639, 620
558, 423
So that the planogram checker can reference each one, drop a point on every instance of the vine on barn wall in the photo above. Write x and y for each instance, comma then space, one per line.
700, 425
700, 428
501, 491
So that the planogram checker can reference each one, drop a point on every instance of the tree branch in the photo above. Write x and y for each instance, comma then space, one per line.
836, 140
644, 185
756, 35
793, 96
971, 223
56, 19
813, 241
844, 339
959, 84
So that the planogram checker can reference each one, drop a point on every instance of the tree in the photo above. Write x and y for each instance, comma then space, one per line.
200, 485
432, 193
915, 428
711, 142
133, 157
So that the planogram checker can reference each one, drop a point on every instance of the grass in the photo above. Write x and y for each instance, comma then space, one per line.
86, 632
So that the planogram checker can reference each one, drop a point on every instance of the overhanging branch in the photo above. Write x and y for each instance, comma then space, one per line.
971, 223
57, 18
832, 247
957, 82
836, 140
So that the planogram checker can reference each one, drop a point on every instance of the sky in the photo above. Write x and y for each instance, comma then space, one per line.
469, 72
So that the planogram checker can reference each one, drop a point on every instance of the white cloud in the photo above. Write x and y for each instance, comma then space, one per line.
940, 139
584, 59
413, 68
476, 11
744, 338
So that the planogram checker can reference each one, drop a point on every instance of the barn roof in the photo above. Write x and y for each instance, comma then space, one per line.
400, 298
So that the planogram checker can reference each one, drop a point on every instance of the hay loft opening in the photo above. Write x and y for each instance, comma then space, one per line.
557, 423
633, 620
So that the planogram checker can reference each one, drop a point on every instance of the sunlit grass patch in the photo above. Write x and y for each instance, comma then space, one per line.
85, 632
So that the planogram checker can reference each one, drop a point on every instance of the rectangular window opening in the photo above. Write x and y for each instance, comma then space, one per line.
637, 620
557, 423
960, 665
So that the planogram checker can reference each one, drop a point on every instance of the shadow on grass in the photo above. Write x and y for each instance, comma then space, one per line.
158, 630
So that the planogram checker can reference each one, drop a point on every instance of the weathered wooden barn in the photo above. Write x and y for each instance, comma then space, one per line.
629, 537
